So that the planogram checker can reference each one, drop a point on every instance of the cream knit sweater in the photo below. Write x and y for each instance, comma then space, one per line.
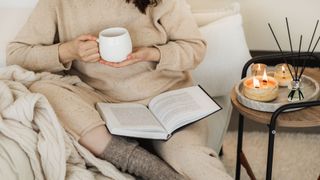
169, 26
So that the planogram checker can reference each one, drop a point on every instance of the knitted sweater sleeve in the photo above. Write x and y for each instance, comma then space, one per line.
185, 47
36, 45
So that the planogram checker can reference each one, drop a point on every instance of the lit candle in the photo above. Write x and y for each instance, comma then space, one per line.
261, 88
282, 74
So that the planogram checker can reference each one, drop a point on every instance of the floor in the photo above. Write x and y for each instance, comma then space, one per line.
297, 150
296, 155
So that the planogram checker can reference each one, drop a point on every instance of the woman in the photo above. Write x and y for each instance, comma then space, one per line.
60, 35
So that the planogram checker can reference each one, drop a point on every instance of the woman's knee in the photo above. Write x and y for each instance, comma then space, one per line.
192, 135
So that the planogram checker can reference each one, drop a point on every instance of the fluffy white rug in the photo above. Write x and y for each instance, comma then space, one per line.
296, 155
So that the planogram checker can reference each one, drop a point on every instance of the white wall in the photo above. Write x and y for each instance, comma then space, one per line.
302, 15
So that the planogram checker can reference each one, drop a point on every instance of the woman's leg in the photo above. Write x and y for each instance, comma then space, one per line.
187, 153
75, 109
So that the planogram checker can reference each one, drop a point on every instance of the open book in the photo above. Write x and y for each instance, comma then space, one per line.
164, 114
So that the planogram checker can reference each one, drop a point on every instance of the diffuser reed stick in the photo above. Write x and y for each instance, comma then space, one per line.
296, 72
275, 37
296, 84
304, 61
304, 64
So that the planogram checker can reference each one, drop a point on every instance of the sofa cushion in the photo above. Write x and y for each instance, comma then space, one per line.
2, 56
226, 54
13, 14
12, 20
204, 5
206, 11
204, 17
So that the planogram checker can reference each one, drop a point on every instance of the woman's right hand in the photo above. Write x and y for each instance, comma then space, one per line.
83, 48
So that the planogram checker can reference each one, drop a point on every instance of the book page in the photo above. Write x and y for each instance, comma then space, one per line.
129, 116
180, 107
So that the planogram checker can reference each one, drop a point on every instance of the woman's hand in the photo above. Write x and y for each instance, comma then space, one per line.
83, 48
138, 54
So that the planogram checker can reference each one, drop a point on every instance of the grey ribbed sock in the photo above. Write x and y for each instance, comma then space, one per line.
128, 156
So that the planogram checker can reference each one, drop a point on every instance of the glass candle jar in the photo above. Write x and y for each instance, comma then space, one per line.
258, 69
282, 74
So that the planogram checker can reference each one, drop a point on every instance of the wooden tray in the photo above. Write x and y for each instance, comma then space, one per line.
311, 92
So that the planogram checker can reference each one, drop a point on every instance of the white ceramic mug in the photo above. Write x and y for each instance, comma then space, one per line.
114, 44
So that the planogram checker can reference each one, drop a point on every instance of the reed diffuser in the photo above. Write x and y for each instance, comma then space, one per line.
296, 85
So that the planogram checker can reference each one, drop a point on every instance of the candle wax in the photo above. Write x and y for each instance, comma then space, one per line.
262, 84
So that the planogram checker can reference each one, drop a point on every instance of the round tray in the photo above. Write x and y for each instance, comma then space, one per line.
311, 92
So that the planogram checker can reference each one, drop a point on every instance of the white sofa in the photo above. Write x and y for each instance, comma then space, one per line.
220, 24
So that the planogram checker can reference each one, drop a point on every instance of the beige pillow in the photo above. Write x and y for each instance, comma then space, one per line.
208, 4
206, 12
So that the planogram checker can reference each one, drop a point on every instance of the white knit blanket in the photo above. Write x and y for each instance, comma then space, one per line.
29, 120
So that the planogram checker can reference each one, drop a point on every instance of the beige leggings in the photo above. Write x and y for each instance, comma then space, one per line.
185, 151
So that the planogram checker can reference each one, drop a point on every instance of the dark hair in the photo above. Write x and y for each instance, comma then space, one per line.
143, 4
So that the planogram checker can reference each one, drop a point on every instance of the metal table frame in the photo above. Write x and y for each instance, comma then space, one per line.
269, 60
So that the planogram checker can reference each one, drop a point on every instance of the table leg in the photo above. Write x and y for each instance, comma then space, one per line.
221, 151
239, 147
272, 133
247, 166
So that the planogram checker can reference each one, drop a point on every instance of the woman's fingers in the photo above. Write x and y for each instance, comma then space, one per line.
92, 58
134, 56
87, 45
119, 64
138, 54
127, 62
83, 48
112, 64
89, 52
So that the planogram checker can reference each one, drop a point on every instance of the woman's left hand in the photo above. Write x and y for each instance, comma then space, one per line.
138, 54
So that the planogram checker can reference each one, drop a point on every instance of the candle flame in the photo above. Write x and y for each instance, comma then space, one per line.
256, 82
265, 77
283, 69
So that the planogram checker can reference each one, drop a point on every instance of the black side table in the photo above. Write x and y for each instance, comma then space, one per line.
307, 117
